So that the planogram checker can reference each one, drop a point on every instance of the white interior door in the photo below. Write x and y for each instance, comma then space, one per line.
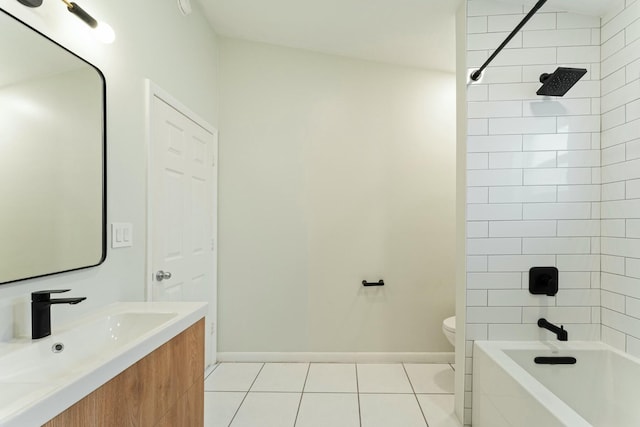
183, 206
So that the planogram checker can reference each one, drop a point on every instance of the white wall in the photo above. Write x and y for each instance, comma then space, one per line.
153, 41
332, 171
621, 178
533, 177
461, 211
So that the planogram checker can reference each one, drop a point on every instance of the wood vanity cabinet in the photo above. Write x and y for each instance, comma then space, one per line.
165, 388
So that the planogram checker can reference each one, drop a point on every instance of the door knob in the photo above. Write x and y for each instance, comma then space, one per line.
161, 275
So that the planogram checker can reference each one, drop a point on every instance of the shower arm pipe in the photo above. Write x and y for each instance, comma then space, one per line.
475, 76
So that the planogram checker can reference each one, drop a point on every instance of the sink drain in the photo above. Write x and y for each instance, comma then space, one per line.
57, 347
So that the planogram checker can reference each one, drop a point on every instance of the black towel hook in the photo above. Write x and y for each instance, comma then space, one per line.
378, 283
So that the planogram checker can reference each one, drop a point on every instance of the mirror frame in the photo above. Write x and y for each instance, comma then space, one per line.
103, 256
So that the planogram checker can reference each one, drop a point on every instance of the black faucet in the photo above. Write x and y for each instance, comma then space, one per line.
41, 310
559, 331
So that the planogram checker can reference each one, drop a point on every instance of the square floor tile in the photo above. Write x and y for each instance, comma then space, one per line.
383, 378
331, 377
430, 378
220, 407
268, 410
232, 377
281, 377
327, 409
439, 410
387, 410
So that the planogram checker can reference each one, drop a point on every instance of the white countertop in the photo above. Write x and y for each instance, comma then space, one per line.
32, 400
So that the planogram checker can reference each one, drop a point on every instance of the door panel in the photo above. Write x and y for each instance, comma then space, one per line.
183, 216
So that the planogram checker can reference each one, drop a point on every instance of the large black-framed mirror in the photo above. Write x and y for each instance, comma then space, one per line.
52, 156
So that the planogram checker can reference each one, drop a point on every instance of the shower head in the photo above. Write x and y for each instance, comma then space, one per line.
560, 81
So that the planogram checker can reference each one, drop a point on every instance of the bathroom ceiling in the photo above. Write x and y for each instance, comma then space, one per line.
419, 33
584, 7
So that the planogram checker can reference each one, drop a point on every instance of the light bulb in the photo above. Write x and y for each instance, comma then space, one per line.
105, 33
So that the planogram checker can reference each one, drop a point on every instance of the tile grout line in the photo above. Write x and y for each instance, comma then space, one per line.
404, 368
302, 394
245, 396
358, 394
211, 368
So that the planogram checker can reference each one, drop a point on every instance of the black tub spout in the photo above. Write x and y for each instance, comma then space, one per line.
559, 331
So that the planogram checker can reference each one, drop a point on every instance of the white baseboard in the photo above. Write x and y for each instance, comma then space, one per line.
444, 357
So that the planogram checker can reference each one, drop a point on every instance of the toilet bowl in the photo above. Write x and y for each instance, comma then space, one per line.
449, 329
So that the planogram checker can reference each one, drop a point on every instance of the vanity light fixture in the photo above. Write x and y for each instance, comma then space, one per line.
31, 3
81, 13
104, 31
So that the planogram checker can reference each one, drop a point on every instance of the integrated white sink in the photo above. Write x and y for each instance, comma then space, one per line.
41, 378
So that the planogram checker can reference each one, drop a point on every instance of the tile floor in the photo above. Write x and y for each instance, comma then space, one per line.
329, 395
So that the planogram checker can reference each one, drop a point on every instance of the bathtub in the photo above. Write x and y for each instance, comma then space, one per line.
601, 390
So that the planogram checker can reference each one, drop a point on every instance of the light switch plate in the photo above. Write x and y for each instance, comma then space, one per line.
121, 235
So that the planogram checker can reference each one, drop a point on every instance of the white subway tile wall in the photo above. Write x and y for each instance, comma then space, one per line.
534, 175
620, 245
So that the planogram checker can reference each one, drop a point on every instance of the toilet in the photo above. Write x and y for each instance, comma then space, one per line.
449, 329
